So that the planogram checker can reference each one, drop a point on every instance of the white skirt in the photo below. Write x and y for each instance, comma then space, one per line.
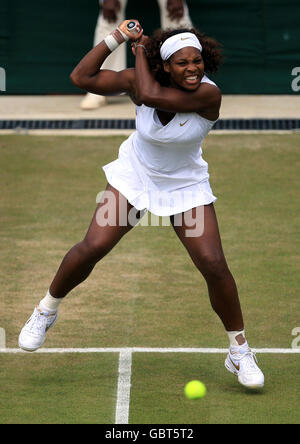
145, 192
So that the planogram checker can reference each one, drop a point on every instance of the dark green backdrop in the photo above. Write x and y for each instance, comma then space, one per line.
41, 42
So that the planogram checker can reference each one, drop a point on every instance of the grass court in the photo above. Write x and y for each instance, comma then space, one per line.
147, 292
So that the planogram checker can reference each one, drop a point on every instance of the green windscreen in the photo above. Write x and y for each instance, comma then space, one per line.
41, 42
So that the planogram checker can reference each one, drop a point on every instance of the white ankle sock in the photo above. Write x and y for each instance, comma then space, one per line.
49, 303
233, 335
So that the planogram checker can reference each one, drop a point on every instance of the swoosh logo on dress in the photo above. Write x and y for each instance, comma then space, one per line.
182, 124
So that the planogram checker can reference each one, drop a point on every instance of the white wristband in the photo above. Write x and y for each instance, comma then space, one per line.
111, 42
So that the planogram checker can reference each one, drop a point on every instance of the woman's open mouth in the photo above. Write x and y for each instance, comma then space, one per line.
192, 80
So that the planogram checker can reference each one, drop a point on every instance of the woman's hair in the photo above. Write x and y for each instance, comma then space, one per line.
211, 52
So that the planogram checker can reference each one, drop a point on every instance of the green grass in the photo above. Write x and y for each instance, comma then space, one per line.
81, 389
58, 389
147, 292
160, 400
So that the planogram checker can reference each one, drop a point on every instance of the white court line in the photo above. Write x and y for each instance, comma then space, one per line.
124, 384
148, 350
125, 364
2, 338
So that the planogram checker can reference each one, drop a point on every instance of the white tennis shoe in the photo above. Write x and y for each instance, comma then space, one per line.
243, 364
93, 101
33, 334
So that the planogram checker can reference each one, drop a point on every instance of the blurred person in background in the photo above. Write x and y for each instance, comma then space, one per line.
173, 14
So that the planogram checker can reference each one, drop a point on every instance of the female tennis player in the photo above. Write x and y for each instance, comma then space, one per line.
159, 168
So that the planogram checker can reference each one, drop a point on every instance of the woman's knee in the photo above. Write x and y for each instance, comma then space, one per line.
94, 249
213, 267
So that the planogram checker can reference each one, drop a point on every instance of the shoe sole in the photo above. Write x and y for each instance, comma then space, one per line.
233, 370
22, 347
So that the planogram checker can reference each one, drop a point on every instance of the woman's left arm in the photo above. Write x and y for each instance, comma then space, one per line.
149, 91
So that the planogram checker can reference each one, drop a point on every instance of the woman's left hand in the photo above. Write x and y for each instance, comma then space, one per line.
142, 41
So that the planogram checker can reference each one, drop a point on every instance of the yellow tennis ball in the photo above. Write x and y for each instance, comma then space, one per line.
195, 390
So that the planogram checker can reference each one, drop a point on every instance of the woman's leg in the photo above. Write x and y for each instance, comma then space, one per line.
167, 22
101, 237
207, 254
113, 218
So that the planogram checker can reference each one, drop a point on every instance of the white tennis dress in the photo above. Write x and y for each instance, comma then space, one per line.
160, 168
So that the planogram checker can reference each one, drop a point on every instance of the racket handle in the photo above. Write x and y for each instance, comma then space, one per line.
133, 27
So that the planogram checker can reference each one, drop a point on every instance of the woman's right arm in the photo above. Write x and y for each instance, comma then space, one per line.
89, 76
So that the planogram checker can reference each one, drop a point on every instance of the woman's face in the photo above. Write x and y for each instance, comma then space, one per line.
186, 68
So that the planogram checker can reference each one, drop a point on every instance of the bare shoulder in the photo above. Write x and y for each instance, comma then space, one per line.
212, 96
211, 91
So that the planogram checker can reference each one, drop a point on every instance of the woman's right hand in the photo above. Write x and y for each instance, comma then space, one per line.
132, 36
142, 41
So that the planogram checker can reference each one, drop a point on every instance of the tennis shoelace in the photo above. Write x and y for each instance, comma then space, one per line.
38, 322
249, 361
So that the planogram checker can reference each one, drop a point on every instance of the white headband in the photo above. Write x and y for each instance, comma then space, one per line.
177, 42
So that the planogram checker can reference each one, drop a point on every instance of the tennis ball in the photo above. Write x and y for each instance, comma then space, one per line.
195, 390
